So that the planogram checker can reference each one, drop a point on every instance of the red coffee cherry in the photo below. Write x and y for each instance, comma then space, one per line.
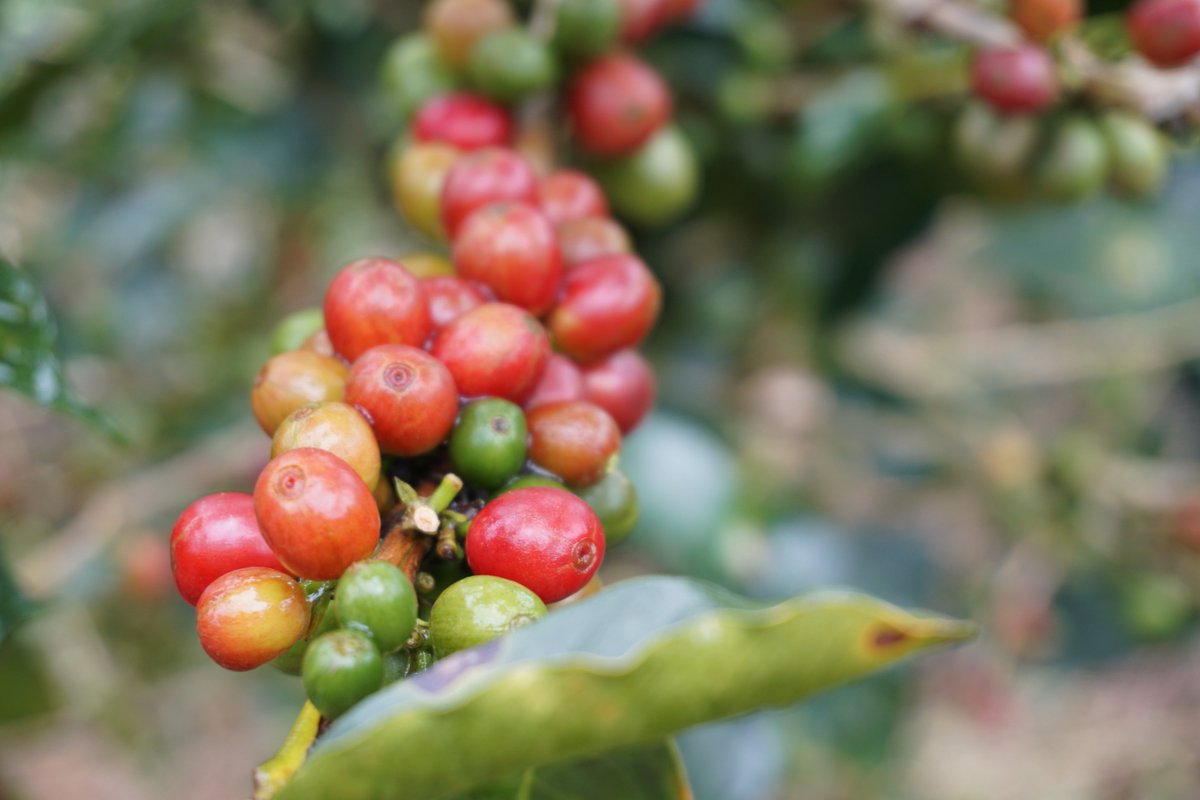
569, 194
375, 301
1166, 32
678, 10
561, 380
581, 240
641, 19
575, 440
1042, 20
608, 304
511, 248
315, 512
496, 350
490, 175
215, 535
623, 385
292, 380
450, 298
1015, 79
407, 395
249, 616
547, 540
616, 104
466, 121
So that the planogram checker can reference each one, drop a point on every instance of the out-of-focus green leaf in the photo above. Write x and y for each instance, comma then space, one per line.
637, 662
840, 124
13, 606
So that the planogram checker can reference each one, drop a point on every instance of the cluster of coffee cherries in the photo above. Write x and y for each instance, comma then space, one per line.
444, 430
1022, 140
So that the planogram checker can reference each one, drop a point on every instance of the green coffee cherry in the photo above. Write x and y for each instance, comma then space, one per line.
341, 668
655, 184
376, 598
995, 150
413, 72
293, 329
1075, 164
510, 64
614, 499
488, 444
584, 29
1137, 153
526, 481
478, 609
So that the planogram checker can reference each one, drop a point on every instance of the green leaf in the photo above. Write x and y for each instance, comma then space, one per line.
13, 605
639, 661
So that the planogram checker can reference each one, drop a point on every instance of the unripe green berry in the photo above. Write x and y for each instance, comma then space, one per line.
340, 669
614, 499
488, 444
510, 64
295, 328
478, 609
377, 598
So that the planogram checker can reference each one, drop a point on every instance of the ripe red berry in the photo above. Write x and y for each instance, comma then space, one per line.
450, 298
623, 385
215, 535
1166, 32
616, 104
608, 304
561, 380
496, 350
1041, 20
1015, 79
292, 380
641, 19
575, 440
569, 194
375, 301
466, 121
407, 395
678, 10
315, 513
511, 248
490, 175
247, 617
547, 540
581, 240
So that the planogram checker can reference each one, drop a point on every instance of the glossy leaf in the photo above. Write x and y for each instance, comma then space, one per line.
638, 661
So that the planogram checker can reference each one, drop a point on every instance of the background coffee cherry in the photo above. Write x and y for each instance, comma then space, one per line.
530, 481
584, 29
417, 174
511, 248
575, 440
375, 301
413, 72
295, 328
377, 598
510, 64
641, 19
623, 385
334, 427
294, 379
1074, 164
249, 616
1166, 32
607, 304
614, 499
656, 183
486, 176
479, 608
616, 104
568, 194
341, 668
1041, 20
1137, 152
582, 240
450, 297
463, 120
427, 265
1018, 79
488, 444
457, 25
408, 396
561, 380
495, 350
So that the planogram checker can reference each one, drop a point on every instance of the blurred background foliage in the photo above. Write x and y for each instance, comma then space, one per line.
870, 377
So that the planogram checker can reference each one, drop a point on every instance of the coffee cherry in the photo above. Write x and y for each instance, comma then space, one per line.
641, 19
623, 385
614, 499
616, 104
249, 616
511, 248
375, 301
295, 328
323, 619
575, 440
561, 380
495, 350
656, 183
463, 120
457, 25
529, 481
341, 668
678, 10
450, 298
215, 535
1018, 79
582, 240
488, 444
477, 609
413, 72
408, 396
608, 304
294, 379
584, 29
1075, 164
1138, 157
1166, 32
568, 194
316, 513
428, 265
1042, 20
336, 428
486, 176
377, 598
510, 64
418, 174
319, 343
995, 149
547, 540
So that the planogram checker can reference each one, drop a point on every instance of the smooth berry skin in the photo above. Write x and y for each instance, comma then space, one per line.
623, 385
291, 380
489, 442
1018, 80
377, 598
451, 297
608, 304
561, 380
575, 440
569, 194
511, 248
341, 668
215, 535
615, 501
249, 616
479, 608
407, 395
418, 175
547, 540
463, 120
375, 301
496, 350
1166, 32
490, 175
616, 104
581, 240
1042, 20
336, 427
316, 513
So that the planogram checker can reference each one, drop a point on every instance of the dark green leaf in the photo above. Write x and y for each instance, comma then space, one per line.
13, 606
